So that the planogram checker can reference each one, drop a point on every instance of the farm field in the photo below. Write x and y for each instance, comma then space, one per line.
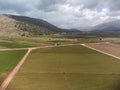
67, 68
110, 48
2, 47
49, 40
8, 60
15, 45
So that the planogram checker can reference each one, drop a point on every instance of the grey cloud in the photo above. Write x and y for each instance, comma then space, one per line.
15, 6
22, 6
86, 3
92, 4
65, 13
114, 4
49, 5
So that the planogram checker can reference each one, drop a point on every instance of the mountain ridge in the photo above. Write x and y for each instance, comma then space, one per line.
12, 25
109, 26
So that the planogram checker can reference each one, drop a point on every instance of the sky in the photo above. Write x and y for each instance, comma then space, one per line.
65, 13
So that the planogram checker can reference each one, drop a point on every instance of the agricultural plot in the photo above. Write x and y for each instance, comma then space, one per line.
67, 68
109, 48
8, 60
15, 45
2, 47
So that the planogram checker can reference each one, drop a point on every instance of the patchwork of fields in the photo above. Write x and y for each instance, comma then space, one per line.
67, 68
8, 60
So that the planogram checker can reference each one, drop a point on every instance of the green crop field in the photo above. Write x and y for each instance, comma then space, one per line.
15, 45
67, 68
8, 60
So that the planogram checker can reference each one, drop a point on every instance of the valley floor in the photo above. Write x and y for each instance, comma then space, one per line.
67, 68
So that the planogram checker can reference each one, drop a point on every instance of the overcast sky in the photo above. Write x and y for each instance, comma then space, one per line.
65, 13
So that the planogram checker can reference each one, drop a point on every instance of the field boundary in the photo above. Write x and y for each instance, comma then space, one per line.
12, 49
101, 51
54, 46
14, 71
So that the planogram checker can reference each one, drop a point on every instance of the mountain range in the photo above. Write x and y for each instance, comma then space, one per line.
109, 27
12, 25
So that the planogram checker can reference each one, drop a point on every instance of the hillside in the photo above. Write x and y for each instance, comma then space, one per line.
110, 27
11, 25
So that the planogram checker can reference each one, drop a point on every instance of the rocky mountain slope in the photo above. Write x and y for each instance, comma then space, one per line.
11, 25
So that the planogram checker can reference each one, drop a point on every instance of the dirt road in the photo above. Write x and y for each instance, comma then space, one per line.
15, 70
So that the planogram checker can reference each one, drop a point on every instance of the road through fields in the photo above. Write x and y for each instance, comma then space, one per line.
15, 70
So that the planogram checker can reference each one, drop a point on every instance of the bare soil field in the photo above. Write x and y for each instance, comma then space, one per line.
109, 48
117, 40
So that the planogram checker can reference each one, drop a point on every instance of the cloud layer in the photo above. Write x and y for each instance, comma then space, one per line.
65, 13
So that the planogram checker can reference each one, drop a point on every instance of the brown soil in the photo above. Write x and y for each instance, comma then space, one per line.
110, 48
